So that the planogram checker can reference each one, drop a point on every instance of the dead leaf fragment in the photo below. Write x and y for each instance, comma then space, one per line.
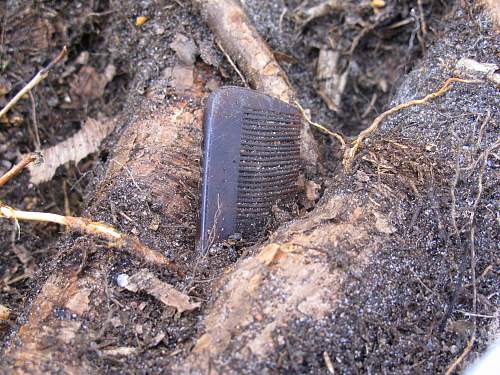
89, 84
149, 283
75, 148
141, 20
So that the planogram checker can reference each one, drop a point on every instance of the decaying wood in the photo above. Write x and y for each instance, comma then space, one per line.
166, 135
146, 281
245, 46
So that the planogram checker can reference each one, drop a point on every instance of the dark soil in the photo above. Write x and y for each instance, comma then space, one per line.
395, 317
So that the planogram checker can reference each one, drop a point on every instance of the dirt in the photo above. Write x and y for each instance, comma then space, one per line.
393, 317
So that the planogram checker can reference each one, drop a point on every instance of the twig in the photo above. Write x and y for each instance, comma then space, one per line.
423, 25
16, 169
319, 126
242, 77
39, 77
356, 144
84, 225
457, 361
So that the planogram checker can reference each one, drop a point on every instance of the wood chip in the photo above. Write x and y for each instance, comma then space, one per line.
149, 283
120, 351
4, 313
331, 81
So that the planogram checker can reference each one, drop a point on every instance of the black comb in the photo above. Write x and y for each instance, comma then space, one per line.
251, 159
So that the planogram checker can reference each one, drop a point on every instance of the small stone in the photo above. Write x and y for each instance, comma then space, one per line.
158, 29
6, 164
122, 280
141, 20
52, 101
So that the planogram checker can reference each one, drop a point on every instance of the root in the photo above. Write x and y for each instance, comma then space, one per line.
80, 224
16, 169
320, 127
350, 152
87, 226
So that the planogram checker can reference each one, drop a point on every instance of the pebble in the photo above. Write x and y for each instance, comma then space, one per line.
6, 164
122, 280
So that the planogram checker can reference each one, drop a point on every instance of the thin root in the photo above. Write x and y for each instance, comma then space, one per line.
321, 127
462, 356
83, 225
350, 153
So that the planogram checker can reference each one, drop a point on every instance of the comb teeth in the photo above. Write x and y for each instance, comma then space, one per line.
250, 160
269, 165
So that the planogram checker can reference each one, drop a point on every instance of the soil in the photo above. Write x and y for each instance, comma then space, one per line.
395, 317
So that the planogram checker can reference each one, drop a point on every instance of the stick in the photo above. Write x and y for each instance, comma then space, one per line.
39, 77
84, 225
457, 361
16, 169
356, 144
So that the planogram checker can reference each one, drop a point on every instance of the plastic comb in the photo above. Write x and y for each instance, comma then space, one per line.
251, 160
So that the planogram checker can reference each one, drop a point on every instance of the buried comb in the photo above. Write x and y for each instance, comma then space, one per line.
250, 161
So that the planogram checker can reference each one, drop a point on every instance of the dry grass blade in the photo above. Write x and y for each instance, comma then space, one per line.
39, 77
